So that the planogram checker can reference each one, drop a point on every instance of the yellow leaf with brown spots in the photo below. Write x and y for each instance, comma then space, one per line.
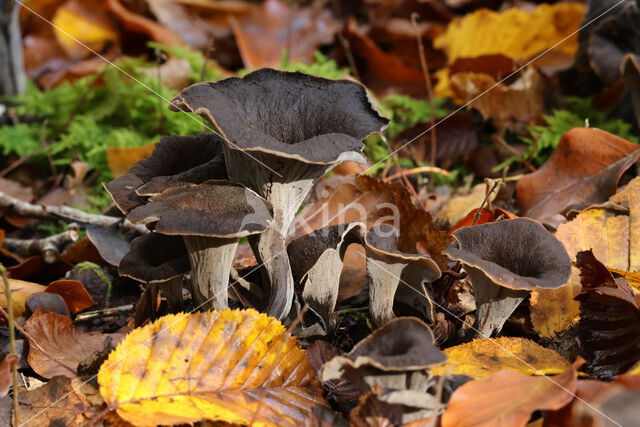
237, 366
484, 357
612, 231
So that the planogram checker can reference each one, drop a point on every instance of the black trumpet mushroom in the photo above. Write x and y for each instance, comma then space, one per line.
211, 218
282, 131
506, 260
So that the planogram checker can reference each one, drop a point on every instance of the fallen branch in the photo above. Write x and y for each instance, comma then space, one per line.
49, 247
65, 213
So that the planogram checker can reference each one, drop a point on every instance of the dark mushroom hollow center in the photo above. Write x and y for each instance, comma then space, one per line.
520, 246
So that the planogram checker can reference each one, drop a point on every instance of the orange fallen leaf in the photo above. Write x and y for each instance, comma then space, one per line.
584, 169
614, 237
73, 292
6, 373
508, 398
120, 159
237, 366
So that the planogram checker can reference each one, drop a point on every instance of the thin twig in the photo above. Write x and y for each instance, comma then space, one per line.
491, 187
403, 174
65, 213
427, 80
49, 247
12, 342
414, 171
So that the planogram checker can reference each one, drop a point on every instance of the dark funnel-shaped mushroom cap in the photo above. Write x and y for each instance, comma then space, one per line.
213, 209
155, 258
291, 115
396, 356
516, 253
505, 260
176, 160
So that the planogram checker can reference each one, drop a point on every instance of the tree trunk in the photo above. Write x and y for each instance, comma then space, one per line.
12, 79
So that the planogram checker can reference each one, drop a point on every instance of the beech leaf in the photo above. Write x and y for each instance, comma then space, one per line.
57, 347
612, 231
237, 366
508, 398
484, 357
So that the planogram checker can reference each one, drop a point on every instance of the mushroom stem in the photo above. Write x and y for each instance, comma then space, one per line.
271, 252
211, 259
383, 283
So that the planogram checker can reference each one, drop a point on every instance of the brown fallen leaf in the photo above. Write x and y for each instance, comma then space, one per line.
455, 138
613, 233
609, 328
508, 398
274, 27
140, 24
57, 347
584, 169
62, 401
6, 373
237, 366
512, 106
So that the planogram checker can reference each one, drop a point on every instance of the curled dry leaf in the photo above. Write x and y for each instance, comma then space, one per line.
613, 232
584, 168
484, 357
509, 398
237, 366
57, 347
505, 260
609, 328
73, 292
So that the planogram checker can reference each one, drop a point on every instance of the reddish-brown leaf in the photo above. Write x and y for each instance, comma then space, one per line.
274, 27
6, 374
73, 292
609, 328
508, 398
584, 169
57, 347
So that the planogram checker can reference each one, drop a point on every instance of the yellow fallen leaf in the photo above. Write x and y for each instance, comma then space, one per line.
237, 366
633, 279
120, 159
484, 357
515, 33
20, 291
86, 22
614, 237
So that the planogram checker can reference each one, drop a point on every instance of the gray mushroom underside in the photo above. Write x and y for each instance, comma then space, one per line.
175, 160
155, 258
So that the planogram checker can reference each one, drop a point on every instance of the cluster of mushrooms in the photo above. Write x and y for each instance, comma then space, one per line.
277, 134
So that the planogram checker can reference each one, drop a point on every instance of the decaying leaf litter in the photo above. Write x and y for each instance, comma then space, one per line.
367, 213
